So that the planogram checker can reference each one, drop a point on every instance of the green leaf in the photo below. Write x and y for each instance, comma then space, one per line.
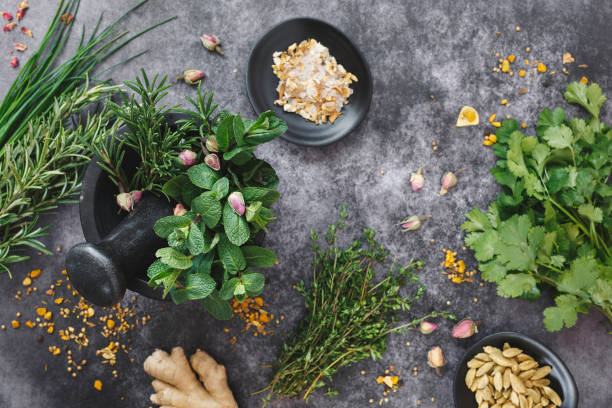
158, 270
533, 186
238, 130
581, 276
516, 284
208, 206
217, 307
235, 226
528, 144
558, 178
253, 283
258, 257
492, 271
477, 221
164, 226
484, 246
197, 286
239, 155
540, 154
590, 98
228, 288
203, 263
221, 188
515, 160
224, 133
562, 314
559, 137
210, 243
267, 196
174, 187
195, 240
591, 212
514, 230
230, 255
174, 258
602, 293
275, 128
203, 176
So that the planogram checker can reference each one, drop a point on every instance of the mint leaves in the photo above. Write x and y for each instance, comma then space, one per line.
210, 244
552, 223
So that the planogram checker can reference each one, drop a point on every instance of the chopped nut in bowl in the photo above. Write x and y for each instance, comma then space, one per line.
511, 370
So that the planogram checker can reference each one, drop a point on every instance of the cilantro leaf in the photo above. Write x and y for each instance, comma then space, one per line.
581, 276
590, 98
602, 293
564, 313
477, 221
591, 212
516, 162
516, 284
559, 137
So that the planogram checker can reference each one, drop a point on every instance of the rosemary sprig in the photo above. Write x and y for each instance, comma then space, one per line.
42, 169
348, 314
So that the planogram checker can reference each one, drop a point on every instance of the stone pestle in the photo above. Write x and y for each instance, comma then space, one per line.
100, 271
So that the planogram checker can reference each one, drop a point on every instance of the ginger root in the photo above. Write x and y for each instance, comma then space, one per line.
176, 385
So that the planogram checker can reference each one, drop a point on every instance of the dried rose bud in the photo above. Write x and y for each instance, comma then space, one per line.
136, 196
179, 209
21, 13
125, 202
20, 47
417, 181
66, 18
212, 160
23, 5
464, 329
236, 201
187, 158
7, 16
26, 31
9, 27
449, 180
412, 223
435, 359
191, 76
14, 62
211, 43
427, 327
211, 144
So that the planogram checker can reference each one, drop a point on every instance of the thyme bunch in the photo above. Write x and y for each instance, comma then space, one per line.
42, 169
349, 314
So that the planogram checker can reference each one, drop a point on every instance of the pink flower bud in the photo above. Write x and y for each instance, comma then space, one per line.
192, 76
417, 181
179, 209
211, 43
7, 16
187, 158
412, 223
136, 196
211, 144
464, 329
14, 62
435, 359
212, 160
449, 180
9, 27
427, 327
125, 201
236, 201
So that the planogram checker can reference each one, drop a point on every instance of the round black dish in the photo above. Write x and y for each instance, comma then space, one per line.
261, 81
561, 379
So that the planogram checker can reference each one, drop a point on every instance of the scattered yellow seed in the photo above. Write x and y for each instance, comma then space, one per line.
492, 118
511, 58
492, 137
475, 300
526, 62
487, 142
523, 125
528, 49
90, 312
26, 281
35, 273
48, 315
584, 80
58, 301
522, 73
518, 28
64, 272
498, 32
41, 311
505, 66
541, 67
30, 324
50, 330
98, 385
504, 101
110, 323
496, 124
15, 324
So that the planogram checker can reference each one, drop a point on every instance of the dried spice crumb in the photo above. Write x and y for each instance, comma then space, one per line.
567, 58
98, 385
455, 268
252, 312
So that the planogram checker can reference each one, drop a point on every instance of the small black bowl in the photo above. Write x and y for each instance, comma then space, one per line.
261, 81
561, 379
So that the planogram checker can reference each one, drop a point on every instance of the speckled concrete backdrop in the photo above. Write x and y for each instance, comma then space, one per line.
415, 49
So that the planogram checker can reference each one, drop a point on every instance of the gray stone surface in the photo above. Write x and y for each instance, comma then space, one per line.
415, 49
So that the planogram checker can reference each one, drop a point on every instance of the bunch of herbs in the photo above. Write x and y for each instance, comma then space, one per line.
552, 223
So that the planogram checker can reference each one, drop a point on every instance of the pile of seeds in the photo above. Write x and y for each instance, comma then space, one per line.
391, 382
252, 312
455, 268
61, 305
510, 378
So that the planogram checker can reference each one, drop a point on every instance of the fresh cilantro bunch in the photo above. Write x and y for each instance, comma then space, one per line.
210, 243
552, 222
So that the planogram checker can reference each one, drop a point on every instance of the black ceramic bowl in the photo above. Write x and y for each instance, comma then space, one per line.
561, 379
261, 81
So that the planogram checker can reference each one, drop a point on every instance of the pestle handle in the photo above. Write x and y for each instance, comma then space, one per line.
100, 271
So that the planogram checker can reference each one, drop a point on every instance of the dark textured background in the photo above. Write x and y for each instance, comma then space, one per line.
415, 49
